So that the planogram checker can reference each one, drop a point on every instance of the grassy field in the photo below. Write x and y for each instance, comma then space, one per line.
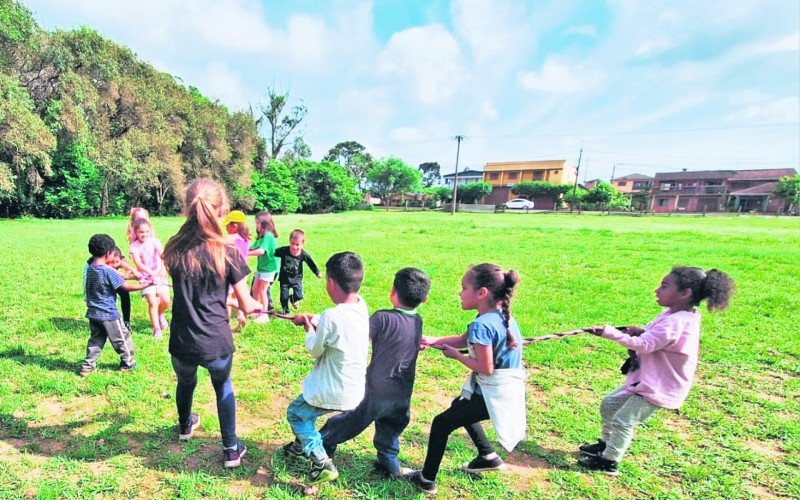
113, 434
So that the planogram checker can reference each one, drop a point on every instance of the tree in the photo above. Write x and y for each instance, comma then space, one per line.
441, 193
393, 176
431, 173
788, 188
602, 193
472, 192
529, 189
25, 144
324, 187
275, 189
280, 122
354, 158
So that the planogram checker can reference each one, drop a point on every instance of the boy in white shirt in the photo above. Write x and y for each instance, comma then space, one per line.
338, 339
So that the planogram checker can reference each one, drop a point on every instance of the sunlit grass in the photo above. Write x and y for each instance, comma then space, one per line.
113, 434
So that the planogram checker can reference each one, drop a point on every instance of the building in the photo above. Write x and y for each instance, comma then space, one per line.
464, 177
633, 184
716, 190
503, 175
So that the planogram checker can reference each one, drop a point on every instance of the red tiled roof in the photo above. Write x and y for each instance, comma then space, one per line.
760, 190
634, 177
694, 176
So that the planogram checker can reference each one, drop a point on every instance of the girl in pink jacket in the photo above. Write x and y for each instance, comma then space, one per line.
663, 367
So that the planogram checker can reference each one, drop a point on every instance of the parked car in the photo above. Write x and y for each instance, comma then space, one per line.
519, 203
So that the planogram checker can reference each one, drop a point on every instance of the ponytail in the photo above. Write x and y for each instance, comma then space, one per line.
205, 199
713, 285
501, 286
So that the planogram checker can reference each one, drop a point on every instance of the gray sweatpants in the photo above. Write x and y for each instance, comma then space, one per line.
622, 412
116, 332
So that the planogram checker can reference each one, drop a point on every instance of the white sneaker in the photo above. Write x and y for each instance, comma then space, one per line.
261, 318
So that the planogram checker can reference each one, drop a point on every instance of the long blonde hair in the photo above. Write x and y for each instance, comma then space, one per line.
205, 200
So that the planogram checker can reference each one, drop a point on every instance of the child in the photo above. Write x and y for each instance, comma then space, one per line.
267, 267
338, 339
395, 335
121, 265
136, 213
100, 282
235, 223
146, 253
291, 277
496, 387
667, 354
203, 265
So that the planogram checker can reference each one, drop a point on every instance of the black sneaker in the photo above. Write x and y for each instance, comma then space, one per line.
593, 449
600, 464
480, 464
293, 449
422, 484
186, 433
322, 471
127, 368
233, 457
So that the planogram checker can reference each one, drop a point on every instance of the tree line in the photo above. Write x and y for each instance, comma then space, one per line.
86, 128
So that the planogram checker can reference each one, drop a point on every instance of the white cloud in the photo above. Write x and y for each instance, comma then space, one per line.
788, 43
581, 30
407, 134
488, 111
652, 46
227, 24
558, 77
427, 59
220, 82
784, 110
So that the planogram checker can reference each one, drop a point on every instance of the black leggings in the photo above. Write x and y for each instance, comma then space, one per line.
466, 413
125, 304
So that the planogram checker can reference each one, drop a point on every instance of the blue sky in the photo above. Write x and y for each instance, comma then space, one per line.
648, 86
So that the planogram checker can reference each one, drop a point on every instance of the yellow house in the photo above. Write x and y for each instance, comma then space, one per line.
503, 175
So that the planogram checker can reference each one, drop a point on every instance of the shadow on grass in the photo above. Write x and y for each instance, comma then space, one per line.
20, 356
70, 325
158, 449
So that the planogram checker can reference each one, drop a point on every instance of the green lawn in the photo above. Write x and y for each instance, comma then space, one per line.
114, 434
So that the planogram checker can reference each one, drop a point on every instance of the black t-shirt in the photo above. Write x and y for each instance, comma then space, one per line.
200, 328
292, 266
395, 339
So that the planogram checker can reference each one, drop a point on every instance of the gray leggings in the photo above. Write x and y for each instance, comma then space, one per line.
622, 412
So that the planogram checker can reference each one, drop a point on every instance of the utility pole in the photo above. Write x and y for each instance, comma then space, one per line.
613, 170
575, 187
458, 138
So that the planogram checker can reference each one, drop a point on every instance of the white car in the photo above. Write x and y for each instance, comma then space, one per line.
519, 203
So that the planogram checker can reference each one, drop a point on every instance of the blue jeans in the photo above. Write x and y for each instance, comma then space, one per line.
303, 419
391, 416
220, 372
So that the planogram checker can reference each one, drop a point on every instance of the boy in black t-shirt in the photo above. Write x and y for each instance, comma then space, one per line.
395, 334
291, 272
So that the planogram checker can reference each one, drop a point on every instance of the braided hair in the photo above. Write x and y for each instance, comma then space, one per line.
500, 285
713, 285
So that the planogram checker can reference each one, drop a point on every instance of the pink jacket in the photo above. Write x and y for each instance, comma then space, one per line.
668, 352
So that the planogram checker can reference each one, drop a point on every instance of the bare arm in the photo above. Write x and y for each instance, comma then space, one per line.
142, 267
457, 341
482, 363
246, 303
256, 252
134, 287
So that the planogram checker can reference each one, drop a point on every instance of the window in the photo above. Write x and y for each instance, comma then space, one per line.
662, 202
512, 176
493, 176
622, 183
538, 175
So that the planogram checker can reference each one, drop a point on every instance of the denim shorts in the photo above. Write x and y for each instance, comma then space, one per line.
153, 290
268, 277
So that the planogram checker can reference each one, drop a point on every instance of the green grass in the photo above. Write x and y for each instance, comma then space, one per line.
114, 434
